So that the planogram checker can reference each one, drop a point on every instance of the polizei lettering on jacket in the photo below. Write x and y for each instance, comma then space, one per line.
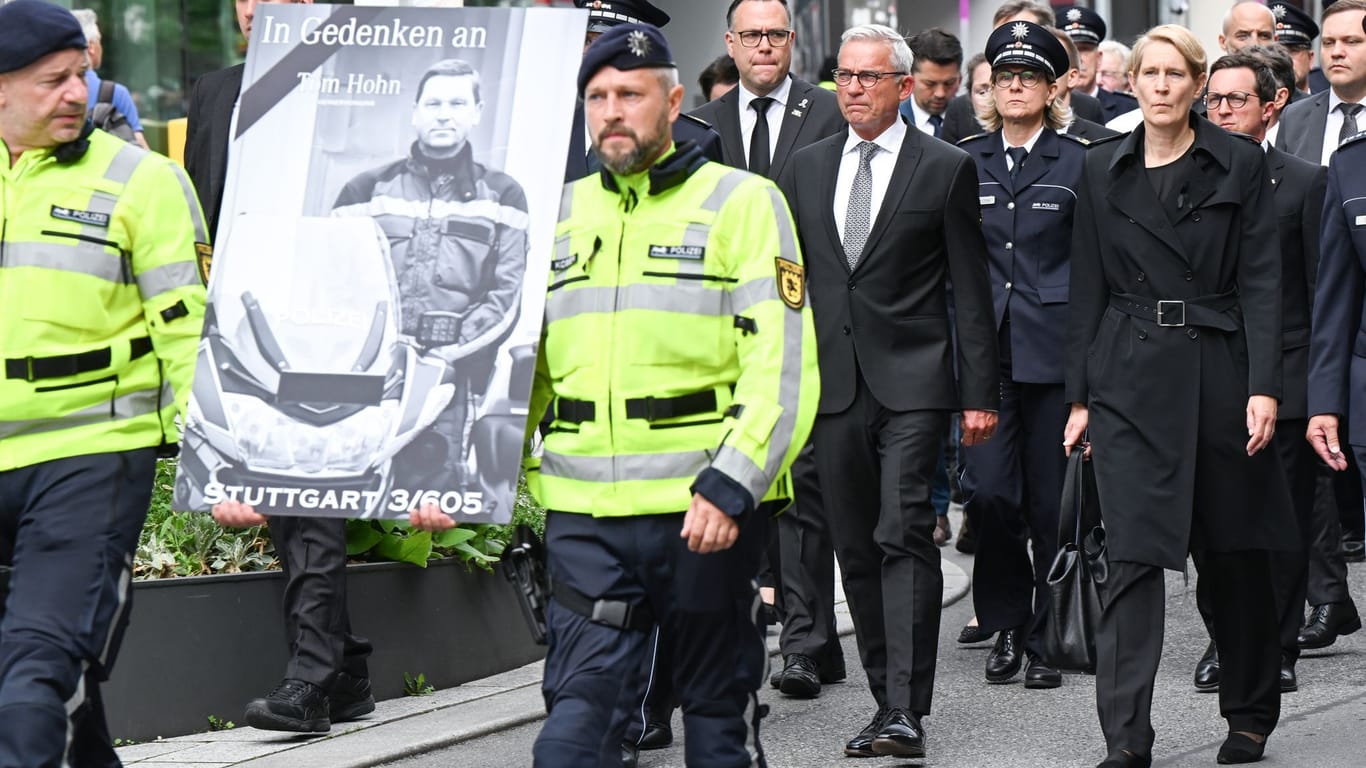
392, 34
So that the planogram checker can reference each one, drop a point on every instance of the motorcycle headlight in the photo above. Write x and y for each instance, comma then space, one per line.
270, 441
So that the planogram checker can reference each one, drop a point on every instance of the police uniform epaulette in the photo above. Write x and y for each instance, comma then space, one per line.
1246, 136
966, 139
700, 122
1082, 140
1353, 139
1093, 143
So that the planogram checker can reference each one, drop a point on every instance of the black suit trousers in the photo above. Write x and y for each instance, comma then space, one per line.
1129, 646
1013, 486
876, 467
808, 570
1338, 499
312, 552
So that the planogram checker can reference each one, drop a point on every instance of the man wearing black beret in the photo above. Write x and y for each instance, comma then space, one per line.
102, 313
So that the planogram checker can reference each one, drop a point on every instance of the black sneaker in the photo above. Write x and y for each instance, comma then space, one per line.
294, 705
351, 698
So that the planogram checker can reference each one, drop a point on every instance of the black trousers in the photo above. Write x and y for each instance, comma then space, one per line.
1289, 568
73, 525
312, 552
808, 570
1129, 646
706, 603
1013, 485
1337, 497
876, 467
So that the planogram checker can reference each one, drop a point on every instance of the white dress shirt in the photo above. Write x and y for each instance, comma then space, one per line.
922, 118
776, 111
1334, 126
881, 164
1028, 146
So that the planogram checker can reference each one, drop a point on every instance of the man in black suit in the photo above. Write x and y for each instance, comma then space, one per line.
885, 216
794, 114
1242, 97
327, 679
1313, 128
1087, 29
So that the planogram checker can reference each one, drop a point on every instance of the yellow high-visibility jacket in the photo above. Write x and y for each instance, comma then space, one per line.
101, 299
678, 347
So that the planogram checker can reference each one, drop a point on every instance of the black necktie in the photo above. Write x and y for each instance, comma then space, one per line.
937, 122
1018, 155
758, 140
1349, 121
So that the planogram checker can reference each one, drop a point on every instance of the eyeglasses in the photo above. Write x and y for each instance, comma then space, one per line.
776, 37
865, 79
1236, 99
1028, 78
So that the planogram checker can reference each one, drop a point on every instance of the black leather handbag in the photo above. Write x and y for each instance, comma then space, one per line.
1077, 577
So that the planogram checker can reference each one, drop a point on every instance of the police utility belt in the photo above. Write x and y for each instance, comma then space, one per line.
1213, 311
61, 366
647, 408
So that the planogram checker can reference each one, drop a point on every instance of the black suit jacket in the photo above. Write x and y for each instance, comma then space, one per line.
1090, 131
888, 320
812, 113
1299, 187
1302, 127
206, 137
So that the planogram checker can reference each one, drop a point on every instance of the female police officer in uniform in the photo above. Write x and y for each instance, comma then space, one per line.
1027, 174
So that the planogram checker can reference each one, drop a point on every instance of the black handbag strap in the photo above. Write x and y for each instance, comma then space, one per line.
1073, 499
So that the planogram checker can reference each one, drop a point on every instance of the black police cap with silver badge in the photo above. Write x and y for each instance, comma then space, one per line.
625, 46
1293, 26
1028, 44
605, 14
1083, 25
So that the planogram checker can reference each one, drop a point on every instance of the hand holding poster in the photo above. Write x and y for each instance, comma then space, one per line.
371, 330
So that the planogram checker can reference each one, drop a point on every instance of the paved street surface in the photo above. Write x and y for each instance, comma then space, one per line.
976, 725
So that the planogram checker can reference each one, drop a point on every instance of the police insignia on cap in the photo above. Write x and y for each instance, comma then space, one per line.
1279, 10
1074, 15
639, 44
204, 257
1020, 31
791, 283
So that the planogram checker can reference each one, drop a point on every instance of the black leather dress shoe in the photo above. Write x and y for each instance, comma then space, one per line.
630, 756
1127, 760
862, 744
831, 668
1006, 657
1353, 551
350, 698
1290, 682
1327, 623
658, 732
970, 634
1040, 675
1239, 749
294, 705
901, 736
1207, 671
800, 680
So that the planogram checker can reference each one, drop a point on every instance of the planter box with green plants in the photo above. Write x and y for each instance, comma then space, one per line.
207, 635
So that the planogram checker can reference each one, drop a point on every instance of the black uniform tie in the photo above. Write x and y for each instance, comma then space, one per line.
1017, 155
1349, 121
758, 140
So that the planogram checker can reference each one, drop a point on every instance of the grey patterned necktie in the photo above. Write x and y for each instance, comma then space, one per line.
1349, 121
858, 217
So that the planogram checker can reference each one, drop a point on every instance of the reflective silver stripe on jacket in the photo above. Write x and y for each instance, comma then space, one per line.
167, 277
76, 256
201, 230
682, 299
625, 468
129, 406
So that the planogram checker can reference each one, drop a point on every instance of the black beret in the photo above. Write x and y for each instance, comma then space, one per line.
1027, 43
605, 14
1083, 25
1293, 26
625, 46
31, 29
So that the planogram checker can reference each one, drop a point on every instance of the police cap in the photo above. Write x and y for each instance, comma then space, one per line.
1027, 43
31, 29
605, 14
1083, 25
1294, 27
625, 46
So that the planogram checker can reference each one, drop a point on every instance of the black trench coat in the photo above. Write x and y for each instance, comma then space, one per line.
1168, 404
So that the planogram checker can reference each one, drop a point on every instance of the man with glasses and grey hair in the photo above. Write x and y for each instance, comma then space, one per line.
905, 222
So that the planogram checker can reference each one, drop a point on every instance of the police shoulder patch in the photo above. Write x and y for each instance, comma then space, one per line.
791, 283
973, 137
204, 257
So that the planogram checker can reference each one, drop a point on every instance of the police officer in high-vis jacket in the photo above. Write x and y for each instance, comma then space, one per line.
101, 305
678, 359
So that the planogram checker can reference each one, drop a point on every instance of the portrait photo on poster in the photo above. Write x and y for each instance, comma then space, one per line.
378, 289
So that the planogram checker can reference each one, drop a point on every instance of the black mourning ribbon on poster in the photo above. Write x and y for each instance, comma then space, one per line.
271, 88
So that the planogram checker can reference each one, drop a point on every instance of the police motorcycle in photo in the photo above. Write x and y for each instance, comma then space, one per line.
309, 400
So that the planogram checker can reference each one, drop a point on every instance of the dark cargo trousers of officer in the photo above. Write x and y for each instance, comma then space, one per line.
706, 603
74, 526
